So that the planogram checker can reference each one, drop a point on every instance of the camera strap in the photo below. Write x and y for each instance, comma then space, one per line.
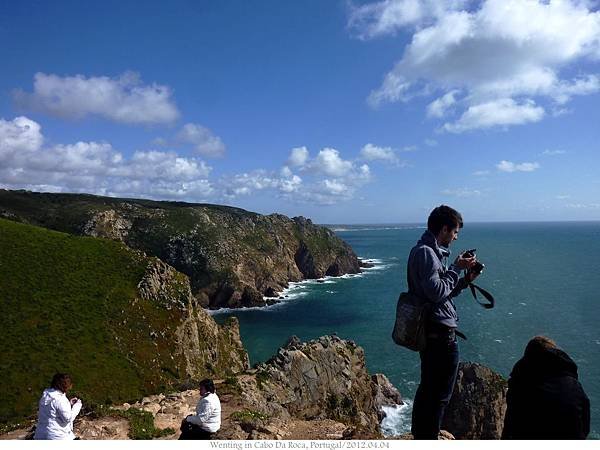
489, 297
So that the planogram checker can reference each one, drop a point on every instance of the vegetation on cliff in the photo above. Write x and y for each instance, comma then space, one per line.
233, 257
122, 324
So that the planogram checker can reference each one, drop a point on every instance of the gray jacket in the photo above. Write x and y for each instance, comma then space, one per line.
429, 278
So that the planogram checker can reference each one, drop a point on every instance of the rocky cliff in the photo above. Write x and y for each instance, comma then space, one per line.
121, 323
315, 390
234, 258
478, 404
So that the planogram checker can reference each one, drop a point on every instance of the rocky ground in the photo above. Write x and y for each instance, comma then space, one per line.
315, 390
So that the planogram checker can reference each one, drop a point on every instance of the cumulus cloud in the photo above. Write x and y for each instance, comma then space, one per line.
285, 183
389, 16
298, 157
95, 167
326, 179
501, 112
440, 106
508, 166
371, 152
20, 135
204, 142
124, 99
329, 162
473, 55
98, 168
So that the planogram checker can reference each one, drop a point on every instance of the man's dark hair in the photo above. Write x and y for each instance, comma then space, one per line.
539, 344
208, 385
62, 382
444, 215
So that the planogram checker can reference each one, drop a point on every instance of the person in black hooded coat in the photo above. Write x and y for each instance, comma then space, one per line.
545, 399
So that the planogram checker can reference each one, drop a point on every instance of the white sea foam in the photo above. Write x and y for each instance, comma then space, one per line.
371, 260
299, 289
499, 341
397, 419
521, 303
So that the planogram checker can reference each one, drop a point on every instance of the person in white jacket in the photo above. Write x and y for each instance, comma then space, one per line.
207, 419
56, 412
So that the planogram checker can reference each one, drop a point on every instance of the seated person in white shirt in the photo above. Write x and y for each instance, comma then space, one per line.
207, 419
56, 412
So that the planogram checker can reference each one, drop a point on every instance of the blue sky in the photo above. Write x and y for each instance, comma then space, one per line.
345, 112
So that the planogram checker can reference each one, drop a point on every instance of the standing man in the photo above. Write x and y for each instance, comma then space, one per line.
431, 280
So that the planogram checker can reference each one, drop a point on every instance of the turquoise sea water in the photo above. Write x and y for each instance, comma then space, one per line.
545, 278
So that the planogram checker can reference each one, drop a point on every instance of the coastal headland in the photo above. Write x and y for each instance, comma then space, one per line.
114, 292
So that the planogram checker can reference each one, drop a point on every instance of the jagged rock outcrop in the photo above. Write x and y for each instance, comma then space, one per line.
320, 389
234, 258
207, 348
324, 379
285, 399
478, 404
386, 394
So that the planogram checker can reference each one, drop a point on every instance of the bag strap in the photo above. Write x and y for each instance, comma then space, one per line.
489, 297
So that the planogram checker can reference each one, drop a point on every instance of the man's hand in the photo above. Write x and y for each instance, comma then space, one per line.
464, 263
471, 276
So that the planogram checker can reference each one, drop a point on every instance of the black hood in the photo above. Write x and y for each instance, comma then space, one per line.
551, 362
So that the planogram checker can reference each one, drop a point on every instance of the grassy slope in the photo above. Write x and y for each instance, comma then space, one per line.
68, 305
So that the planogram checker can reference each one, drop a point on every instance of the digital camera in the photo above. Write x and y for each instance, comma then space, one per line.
478, 267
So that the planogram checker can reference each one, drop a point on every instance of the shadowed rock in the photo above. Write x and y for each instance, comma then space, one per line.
478, 404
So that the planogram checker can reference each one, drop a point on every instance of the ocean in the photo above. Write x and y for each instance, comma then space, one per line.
544, 277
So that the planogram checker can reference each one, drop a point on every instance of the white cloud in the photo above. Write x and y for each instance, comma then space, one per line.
394, 88
298, 157
440, 106
508, 166
95, 167
389, 16
461, 192
327, 179
329, 162
124, 99
98, 168
19, 135
285, 183
371, 152
481, 173
563, 197
431, 142
335, 187
494, 50
501, 112
203, 140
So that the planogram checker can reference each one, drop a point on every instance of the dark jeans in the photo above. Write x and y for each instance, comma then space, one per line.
190, 431
439, 366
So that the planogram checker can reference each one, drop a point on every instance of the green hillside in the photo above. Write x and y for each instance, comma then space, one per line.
70, 304
234, 258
